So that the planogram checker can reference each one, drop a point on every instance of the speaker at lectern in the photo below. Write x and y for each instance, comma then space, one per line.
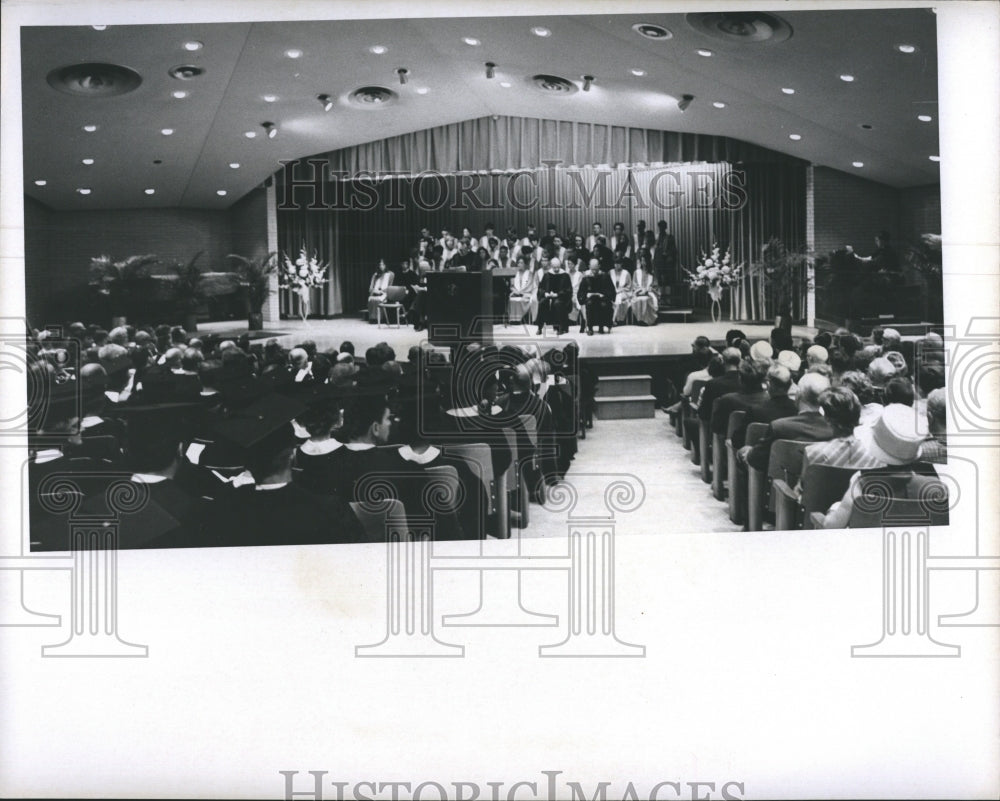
460, 306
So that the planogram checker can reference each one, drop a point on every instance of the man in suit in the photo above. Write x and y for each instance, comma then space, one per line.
555, 297
596, 295
776, 405
750, 393
809, 424
728, 382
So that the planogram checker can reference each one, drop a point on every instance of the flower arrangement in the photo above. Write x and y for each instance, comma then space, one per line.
715, 271
306, 272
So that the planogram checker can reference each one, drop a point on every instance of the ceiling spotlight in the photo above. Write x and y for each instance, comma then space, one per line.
378, 50
270, 128
41, 182
490, 69
787, 90
234, 165
472, 41
149, 191
402, 72
719, 104
857, 164
83, 190
250, 134
906, 48
293, 53
180, 94
221, 192
934, 158
588, 81
269, 98
924, 117
505, 84
684, 102
540, 31
422, 90
638, 73
90, 128
705, 53
795, 137
192, 46
88, 162
847, 78
98, 27
167, 131
326, 101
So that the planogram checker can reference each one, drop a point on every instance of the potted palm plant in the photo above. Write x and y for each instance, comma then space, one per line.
785, 271
255, 276
125, 284
189, 291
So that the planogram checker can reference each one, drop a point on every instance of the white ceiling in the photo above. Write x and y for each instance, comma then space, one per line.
245, 61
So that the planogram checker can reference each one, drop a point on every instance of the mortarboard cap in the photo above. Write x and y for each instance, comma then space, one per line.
264, 426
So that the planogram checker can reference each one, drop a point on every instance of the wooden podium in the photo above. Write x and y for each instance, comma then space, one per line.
460, 307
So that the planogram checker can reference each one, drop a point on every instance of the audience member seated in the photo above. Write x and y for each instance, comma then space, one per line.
898, 390
861, 386
777, 405
728, 382
750, 393
935, 448
312, 459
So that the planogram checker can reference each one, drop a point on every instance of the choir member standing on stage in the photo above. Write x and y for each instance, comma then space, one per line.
620, 242
640, 237
603, 253
484, 240
644, 298
449, 249
523, 289
416, 313
665, 260
596, 231
381, 280
622, 282
503, 258
595, 295
528, 236
550, 235
554, 303
408, 278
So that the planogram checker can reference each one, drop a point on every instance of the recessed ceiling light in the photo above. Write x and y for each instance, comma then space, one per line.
250, 134
719, 104
90, 128
293, 53
422, 90
167, 131
98, 27
906, 48
378, 50
705, 53
651, 31
857, 164
270, 98
87, 161
192, 46
41, 182
149, 191
934, 158
83, 190
795, 137
472, 41
234, 165
180, 94
540, 31
505, 84
847, 78
221, 192
638, 73
924, 117
787, 90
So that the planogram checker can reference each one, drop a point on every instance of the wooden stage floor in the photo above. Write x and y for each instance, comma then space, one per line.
662, 340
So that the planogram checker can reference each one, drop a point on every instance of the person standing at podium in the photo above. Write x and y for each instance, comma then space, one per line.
554, 292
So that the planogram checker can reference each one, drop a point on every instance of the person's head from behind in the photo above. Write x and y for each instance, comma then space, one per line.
821, 369
859, 384
841, 408
839, 361
752, 375
811, 386
937, 411
716, 366
734, 335
850, 343
824, 339
899, 390
368, 420
817, 354
153, 445
731, 358
172, 358
191, 360
781, 340
347, 347
779, 381
930, 377
298, 358
891, 339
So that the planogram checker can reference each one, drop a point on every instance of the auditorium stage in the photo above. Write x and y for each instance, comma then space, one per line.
624, 343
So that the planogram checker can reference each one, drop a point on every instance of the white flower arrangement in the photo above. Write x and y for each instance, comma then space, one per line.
715, 272
305, 272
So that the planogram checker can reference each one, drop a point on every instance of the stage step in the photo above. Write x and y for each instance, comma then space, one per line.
624, 386
684, 314
625, 407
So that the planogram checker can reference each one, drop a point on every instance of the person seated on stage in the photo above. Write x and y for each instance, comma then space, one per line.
523, 301
750, 393
480, 261
572, 265
488, 234
595, 296
550, 236
842, 409
555, 249
645, 300
603, 253
595, 231
776, 406
809, 424
381, 280
622, 282
895, 440
503, 258
620, 243
530, 234
728, 382
935, 448
417, 311
554, 298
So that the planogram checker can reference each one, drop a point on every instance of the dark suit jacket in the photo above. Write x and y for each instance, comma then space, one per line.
560, 283
733, 402
769, 410
804, 427
716, 388
595, 283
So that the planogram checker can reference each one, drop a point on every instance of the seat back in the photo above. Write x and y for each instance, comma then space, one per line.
374, 519
480, 460
786, 460
755, 433
735, 421
395, 294
822, 486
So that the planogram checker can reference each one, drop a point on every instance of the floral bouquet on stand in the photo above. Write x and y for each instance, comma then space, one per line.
715, 272
302, 276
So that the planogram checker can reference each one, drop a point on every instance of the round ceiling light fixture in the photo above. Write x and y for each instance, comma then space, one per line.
94, 79
553, 84
185, 72
372, 97
650, 30
741, 26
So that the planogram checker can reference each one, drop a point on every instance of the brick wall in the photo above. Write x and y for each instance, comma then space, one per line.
848, 210
919, 212
39, 287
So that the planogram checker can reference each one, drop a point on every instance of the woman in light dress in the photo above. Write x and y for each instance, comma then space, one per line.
382, 279
523, 293
645, 301
622, 282
576, 277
